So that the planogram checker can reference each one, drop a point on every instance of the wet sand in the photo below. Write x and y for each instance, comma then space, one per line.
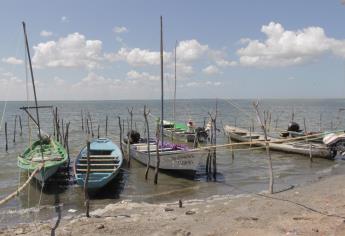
316, 209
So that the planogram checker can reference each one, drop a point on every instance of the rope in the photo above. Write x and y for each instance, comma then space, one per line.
12, 195
309, 137
239, 108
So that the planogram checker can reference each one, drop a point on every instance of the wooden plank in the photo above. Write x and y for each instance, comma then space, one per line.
96, 170
101, 156
93, 164
91, 160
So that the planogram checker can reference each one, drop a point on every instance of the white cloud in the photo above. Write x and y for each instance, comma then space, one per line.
283, 47
141, 76
211, 70
137, 56
120, 29
45, 33
64, 19
58, 81
203, 83
71, 51
224, 63
12, 60
119, 39
190, 50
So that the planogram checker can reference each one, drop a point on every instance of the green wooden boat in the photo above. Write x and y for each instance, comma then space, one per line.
54, 156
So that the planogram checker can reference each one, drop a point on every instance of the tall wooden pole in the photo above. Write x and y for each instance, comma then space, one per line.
121, 147
6, 145
20, 124
174, 108
157, 153
106, 126
87, 205
33, 86
82, 119
162, 83
148, 142
15, 129
270, 169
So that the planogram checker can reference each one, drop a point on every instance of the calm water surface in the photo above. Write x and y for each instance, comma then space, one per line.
246, 173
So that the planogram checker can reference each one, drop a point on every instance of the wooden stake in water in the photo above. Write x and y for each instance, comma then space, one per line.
106, 126
157, 151
121, 147
67, 145
148, 142
92, 134
82, 119
98, 131
270, 169
15, 129
20, 124
6, 145
86, 194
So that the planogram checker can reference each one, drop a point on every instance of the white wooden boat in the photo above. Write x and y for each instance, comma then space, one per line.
176, 159
298, 147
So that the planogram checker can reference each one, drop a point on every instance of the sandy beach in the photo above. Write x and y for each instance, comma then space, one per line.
315, 209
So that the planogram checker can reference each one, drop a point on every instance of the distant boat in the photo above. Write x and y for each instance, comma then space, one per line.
105, 163
54, 156
45, 153
181, 132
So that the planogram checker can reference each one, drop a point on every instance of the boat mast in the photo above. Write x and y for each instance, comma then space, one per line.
174, 115
162, 92
33, 81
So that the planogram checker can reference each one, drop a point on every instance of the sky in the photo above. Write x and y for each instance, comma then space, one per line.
109, 50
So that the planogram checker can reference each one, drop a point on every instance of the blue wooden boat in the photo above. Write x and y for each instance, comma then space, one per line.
105, 163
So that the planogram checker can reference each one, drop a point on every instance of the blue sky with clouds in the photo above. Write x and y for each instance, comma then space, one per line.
236, 49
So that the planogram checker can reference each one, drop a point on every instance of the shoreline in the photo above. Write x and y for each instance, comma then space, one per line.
314, 209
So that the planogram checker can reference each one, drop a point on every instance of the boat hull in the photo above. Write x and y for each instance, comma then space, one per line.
103, 168
176, 161
54, 156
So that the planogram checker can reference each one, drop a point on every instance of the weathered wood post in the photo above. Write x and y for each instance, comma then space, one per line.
106, 126
20, 124
67, 145
86, 194
270, 169
148, 142
157, 150
130, 112
128, 143
87, 126
320, 128
250, 137
92, 134
62, 133
121, 147
15, 129
82, 119
56, 123
98, 130
6, 140
58, 130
